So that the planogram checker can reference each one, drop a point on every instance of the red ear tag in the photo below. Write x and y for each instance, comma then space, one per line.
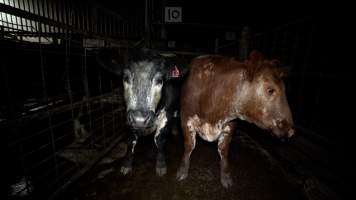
175, 72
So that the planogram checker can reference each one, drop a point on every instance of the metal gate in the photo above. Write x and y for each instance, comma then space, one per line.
59, 112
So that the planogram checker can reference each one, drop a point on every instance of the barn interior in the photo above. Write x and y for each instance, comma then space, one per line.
62, 117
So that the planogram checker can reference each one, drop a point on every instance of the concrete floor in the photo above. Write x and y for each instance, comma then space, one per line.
253, 174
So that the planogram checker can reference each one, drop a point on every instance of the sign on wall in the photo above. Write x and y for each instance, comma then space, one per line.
173, 14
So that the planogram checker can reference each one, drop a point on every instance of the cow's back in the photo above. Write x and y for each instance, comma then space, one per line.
209, 87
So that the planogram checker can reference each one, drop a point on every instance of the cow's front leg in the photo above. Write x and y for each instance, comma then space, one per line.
160, 140
189, 145
127, 163
223, 149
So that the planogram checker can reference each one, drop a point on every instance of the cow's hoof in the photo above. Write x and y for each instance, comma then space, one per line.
182, 173
161, 166
125, 170
161, 171
226, 180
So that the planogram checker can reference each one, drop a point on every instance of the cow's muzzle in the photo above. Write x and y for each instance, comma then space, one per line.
283, 129
139, 119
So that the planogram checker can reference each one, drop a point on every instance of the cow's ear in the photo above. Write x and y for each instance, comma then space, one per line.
276, 63
283, 72
111, 60
176, 67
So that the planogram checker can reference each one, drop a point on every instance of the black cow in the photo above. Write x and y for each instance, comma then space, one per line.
151, 91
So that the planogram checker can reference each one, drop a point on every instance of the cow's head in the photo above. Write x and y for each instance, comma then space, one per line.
268, 107
144, 76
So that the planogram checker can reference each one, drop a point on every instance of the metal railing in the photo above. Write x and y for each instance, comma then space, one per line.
56, 17
59, 112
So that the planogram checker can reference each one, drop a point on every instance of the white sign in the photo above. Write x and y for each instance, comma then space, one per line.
173, 14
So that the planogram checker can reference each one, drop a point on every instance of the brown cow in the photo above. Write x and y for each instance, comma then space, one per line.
220, 89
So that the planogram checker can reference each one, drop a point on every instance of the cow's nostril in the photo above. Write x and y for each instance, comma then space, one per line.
281, 124
285, 139
290, 133
148, 116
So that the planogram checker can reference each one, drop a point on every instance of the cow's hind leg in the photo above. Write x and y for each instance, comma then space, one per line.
189, 145
127, 163
223, 149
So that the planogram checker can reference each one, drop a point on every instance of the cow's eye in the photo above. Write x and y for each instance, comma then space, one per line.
270, 91
126, 78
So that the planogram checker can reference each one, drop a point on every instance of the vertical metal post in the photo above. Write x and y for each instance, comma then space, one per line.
2, 32
45, 14
53, 14
45, 96
16, 22
86, 87
94, 19
216, 50
294, 64
285, 46
147, 24
163, 27
265, 40
32, 24
102, 109
67, 66
305, 65
111, 24
14, 127
65, 13
84, 19
6, 21
99, 19
112, 105
275, 40
244, 43
105, 22
22, 28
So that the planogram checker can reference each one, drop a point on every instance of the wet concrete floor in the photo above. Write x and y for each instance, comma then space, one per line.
253, 175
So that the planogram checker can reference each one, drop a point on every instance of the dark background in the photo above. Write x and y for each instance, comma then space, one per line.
312, 39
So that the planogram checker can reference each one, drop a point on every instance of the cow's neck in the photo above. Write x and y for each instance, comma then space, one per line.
243, 100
